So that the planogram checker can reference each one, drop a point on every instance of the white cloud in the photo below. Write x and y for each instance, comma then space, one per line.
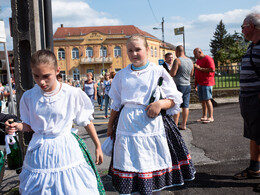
78, 13
234, 16
230, 17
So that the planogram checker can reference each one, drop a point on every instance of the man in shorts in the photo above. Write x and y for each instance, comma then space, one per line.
204, 82
249, 97
181, 72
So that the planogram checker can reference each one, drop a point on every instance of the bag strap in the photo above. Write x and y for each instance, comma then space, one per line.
253, 64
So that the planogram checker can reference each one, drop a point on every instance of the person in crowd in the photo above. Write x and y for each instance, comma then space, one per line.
101, 92
59, 77
98, 93
90, 88
1, 96
168, 61
249, 97
54, 161
112, 75
77, 84
181, 72
69, 82
142, 161
106, 87
7, 96
204, 82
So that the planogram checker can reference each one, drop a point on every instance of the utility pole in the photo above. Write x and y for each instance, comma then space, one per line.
31, 29
162, 28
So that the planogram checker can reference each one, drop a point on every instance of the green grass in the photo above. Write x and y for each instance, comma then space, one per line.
227, 81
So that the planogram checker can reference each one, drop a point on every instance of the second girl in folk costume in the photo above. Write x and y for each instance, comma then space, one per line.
148, 156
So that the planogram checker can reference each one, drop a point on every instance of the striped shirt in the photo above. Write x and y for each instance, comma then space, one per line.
249, 80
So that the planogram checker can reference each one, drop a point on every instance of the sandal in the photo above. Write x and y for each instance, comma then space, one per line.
202, 119
246, 174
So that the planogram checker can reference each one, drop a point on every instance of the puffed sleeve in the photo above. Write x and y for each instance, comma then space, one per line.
115, 92
83, 109
170, 90
24, 110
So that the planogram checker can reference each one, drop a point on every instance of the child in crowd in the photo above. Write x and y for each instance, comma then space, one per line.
148, 155
54, 162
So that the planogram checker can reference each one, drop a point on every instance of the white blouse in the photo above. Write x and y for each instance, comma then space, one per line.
136, 87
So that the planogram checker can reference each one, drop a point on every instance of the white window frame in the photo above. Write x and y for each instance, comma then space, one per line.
104, 52
61, 54
117, 51
89, 52
75, 53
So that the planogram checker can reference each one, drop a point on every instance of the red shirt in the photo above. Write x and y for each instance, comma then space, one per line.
205, 78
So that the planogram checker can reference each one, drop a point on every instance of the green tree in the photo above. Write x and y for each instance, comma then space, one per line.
234, 48
227, 48
218, 41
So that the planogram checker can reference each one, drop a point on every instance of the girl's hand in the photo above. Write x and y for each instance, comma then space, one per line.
11, 128
99, 156
153, 109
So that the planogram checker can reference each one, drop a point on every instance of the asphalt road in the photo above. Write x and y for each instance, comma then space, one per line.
218, 151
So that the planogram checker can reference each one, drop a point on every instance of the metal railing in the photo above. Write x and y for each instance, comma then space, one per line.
227, 76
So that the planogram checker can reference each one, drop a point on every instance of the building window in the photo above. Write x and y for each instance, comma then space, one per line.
89, 52
76, 75
104, 53
117, 51
155, 52
117, 69
75, 53
151, 51
61, 54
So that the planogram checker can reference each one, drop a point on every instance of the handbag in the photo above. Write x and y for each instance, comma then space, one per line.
107, 147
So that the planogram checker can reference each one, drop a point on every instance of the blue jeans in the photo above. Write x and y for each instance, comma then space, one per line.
106, 103
101, 102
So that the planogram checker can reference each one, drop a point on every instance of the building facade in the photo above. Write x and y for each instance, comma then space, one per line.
100, 49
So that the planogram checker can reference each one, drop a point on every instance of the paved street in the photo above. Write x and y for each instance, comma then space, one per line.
218, 151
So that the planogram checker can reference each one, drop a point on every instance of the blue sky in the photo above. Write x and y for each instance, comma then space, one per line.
199, 17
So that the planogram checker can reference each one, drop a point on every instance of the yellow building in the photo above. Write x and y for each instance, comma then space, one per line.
102, 48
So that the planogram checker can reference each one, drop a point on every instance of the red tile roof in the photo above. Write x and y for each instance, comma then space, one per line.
127, 30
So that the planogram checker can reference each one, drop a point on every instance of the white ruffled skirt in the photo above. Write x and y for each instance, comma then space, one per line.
56, 166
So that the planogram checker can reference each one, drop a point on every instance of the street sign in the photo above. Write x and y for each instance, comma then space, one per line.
160, 61
2, 32
179, 31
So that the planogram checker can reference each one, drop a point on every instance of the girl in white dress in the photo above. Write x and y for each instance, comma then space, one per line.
54, 162
149, 153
